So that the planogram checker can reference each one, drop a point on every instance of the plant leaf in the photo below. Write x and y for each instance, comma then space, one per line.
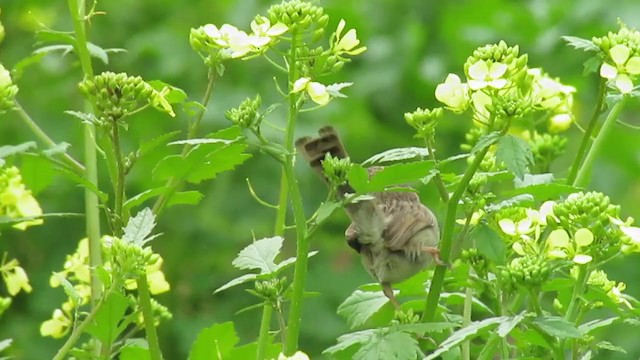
590, 326
505, 328
4, 344
393, 345
9, 150
175, 94
135, 349
149, 145
260, 255
557, 326
325, 210
518, 200
144, 196
87, 118
465, 334
214, 342
237, 281
185, 198
592, 65
398, 154
104, 327
348, 340
580, 43
489, 243
201, 141
515, 153
485, 141
139, 227
360, 305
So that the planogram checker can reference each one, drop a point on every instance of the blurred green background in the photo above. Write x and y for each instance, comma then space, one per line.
412, 45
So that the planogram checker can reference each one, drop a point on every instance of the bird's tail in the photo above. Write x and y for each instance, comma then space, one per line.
315, 149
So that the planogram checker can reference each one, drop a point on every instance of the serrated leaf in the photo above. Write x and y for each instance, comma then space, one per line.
529, 180
485, 141
424, 328
105, 327
37, 172
360, 306
185, 198
348, 340
543, 192
57, 149
580, 43
515, 153
260, 255
609, 346
86, 118
384, 346
557, 326
237, 281
453, 158
135, 349
397, 154
465, 334
392, 175
143, 196
334, 89
505, 328
148, 146
214, 342
98, 53
590, 326
459, 299
139, 227
283, 264
489, 243
201, 141
65, 49
9, 150
518, 200
357, 176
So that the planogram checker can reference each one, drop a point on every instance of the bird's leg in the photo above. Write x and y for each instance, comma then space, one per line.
435, 252
388, 292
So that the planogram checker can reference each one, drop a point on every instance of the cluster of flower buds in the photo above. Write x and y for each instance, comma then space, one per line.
599, 279
336, 170
159, 311
8, 90
271, 289
129, 260
16, 201
477, 261
546, 148
590, 210
621, 53
299, 16
246, 115
527, 271
118, 95
424, 121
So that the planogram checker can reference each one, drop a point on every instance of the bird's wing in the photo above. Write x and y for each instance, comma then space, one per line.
405, 216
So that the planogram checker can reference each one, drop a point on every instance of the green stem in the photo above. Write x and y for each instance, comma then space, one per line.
466, 320
77, 8
119, 219
45, 139
586, 139
535, 303
302, 241
263, 338
281, 214
173, 183
582, 177
442, 189
574, 304
147, 314
447, 237
78, 330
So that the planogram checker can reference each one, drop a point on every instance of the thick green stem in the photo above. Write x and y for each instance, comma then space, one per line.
45, 139
77, 8
586, 138
574, 304
147, 313
263, 338
302, 250
466, 320
119, 219
78, 330
447, 237
281, 215
582, 178
173, 183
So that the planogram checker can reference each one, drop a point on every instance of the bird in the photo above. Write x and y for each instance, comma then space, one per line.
394, 233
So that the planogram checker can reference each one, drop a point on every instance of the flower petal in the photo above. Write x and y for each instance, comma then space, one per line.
582, 259
559, 238
624, 83
507, 226
608, 71
318, 93
584, 237
497, 70
300, 84
277, 29
619, 54
633, 65
478, 71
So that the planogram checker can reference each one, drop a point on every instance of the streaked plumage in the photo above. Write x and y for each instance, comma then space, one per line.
395, 234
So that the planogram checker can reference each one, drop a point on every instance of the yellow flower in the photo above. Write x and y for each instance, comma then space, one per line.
560, 246
317, 91
623, 66
348, 43
159, 101
453, 93
482, 75
15, 277
57, 326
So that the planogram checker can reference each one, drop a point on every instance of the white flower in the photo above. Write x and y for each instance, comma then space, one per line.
453, 93
317, 91
347, 44
482, 75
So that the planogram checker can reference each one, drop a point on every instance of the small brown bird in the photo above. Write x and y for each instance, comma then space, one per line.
394, 233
